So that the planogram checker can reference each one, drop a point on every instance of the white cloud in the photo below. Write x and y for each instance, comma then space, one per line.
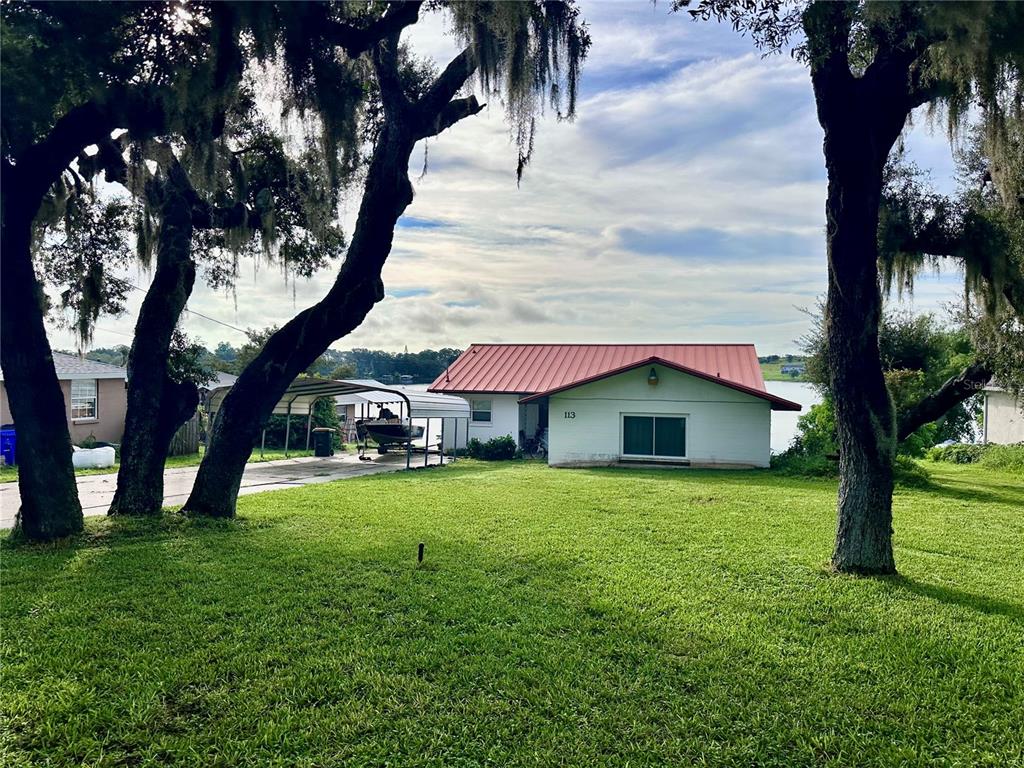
685, 204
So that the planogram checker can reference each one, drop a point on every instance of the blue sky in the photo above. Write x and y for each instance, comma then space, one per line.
684, 204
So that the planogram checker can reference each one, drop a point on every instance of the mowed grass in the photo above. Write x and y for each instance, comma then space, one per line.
561, 617
9, 474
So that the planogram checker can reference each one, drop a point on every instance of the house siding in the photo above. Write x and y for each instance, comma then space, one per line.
1004, 422
5, 408
724, 427
504, 418
108, 428
112, 405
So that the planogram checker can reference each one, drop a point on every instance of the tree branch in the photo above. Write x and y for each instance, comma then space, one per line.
925, 94
450, 114
1013, 292
356, 41
385, 66
204, 215
448, 83
933, 241
827, 26
41, 164
936, 405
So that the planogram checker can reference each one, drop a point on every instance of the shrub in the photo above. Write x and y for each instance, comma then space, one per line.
991, 455
918, 443
807, 455
816, 431
796, 463
1003, 457
324, 415
958, 453
910, 474
495, 449
906, 471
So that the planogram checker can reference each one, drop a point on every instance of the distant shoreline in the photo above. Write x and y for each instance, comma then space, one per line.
773, 372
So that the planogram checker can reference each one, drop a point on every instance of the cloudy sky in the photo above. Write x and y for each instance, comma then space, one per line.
684, 204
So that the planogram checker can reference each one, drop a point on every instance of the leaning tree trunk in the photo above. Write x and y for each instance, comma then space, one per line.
296, 345
46, 478
157, 405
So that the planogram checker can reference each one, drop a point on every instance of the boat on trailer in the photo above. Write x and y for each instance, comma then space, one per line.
386, 433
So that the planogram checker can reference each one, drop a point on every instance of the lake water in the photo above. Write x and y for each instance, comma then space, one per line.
783, 422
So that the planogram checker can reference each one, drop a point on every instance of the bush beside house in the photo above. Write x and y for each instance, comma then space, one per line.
496, 449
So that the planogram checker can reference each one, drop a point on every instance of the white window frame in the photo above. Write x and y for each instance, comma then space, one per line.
473, 410
94, 398
654, 427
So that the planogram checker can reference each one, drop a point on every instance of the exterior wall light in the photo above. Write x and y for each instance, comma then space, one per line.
652, 378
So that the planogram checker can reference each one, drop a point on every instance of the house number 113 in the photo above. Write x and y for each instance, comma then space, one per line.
570, 414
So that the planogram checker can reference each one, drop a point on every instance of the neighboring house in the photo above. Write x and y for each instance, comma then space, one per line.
597, 404
220, 379
1002, 420
793, 369
95, 398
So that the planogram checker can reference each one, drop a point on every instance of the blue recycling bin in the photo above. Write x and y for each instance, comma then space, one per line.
9, 446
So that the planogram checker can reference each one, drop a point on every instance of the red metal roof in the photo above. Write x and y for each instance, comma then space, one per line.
529, 369
778, 403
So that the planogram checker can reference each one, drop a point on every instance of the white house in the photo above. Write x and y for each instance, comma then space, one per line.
1003, 419
599, 404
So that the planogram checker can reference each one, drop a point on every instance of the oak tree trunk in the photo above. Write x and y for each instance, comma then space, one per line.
46, 478
295, 346
865, 418
157, 405
862, 118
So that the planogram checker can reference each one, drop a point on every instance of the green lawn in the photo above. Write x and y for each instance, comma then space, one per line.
561, 617
10, 474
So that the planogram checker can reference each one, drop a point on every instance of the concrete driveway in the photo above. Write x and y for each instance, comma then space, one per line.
97, 491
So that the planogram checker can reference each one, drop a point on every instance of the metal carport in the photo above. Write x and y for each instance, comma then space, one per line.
299, 398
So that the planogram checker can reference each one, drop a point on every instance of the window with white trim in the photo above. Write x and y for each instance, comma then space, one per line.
84, 399
654, 436
481, 411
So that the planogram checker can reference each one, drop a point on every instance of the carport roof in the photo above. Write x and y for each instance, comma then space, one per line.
303, 392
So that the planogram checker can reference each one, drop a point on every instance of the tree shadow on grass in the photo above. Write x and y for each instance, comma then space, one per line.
992, 493
319, 634
952, 596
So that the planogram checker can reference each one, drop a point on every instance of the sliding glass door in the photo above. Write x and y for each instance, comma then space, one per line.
654, 436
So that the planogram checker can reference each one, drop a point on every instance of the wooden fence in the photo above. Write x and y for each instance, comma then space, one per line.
186, 439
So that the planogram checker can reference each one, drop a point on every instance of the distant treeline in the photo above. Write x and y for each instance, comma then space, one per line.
782, 359
390, 367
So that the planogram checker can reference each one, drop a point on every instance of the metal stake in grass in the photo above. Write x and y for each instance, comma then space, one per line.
419, 554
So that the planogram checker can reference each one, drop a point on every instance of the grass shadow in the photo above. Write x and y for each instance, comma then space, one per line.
992, 493
952, 596
543, 628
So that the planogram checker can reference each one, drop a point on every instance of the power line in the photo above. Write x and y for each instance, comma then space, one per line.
190, 311
218, 322
119, 333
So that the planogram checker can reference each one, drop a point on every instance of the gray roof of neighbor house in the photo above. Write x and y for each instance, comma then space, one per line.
222, 380
73, 367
